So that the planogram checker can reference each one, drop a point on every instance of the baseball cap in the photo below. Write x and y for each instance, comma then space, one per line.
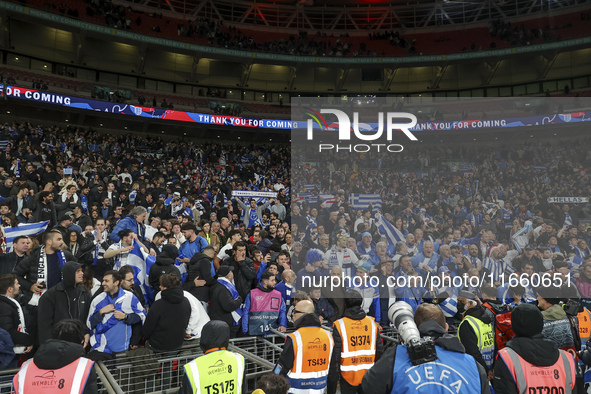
224, 270
442, 270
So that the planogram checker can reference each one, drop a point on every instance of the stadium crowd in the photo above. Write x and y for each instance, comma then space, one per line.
145, 241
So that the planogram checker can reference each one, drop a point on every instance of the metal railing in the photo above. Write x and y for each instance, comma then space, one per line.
104, 381
143, 372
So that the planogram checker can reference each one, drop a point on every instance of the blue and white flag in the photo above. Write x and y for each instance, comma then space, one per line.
310, 186
387, 229
313, 199
28, 230
141, 263
362, 201
132, 196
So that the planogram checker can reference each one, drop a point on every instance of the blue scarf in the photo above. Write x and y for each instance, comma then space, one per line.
237, 314
84, 203
132, 196
253, 217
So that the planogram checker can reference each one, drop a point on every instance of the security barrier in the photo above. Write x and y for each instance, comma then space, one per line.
141, 371
104, 385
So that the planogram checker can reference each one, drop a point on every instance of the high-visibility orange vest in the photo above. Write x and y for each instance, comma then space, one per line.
69, 379
312, 350
584, 318
358, 352
533, 378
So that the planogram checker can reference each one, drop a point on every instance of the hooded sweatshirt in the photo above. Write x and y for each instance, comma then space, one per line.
56, 354
167, 320
202, 267
66, 300
163, 265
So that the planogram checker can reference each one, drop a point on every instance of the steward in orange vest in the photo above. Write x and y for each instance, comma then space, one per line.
305, 359
59, 366
529, 363
357, 346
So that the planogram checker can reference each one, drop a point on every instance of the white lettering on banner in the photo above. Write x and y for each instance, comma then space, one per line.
38, 96
567, 200
250, 193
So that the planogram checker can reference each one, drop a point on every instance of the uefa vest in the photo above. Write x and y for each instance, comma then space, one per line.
69, 379
558, 378
358, 352
216, 372
264, 311
486, 338
312, 349
584, 319
452, 372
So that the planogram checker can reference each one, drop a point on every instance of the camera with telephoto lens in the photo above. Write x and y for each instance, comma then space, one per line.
572, 307
420, 350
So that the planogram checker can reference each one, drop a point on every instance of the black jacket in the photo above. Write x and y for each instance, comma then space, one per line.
221, 304
379, 378
26, 271
8, 261
9, 321
56, 354
535, 350
37, 208
167, 320
163, 265
200, 267
244, 275
64, 301
468, 336
13, 204
355, 313
83, 221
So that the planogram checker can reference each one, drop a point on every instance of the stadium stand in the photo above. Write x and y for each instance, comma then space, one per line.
183, 230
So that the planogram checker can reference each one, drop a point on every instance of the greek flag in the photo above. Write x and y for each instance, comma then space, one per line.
310, 186
132, 196
520, 238
141, 264
386, 228
361, 201
312, 199
29, 230
4, 144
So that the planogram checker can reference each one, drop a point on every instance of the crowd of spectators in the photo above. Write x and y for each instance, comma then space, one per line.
216, 256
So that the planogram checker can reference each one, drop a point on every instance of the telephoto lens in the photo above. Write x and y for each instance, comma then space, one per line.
420, 350
401, 314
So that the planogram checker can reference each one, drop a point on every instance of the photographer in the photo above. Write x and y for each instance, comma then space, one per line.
454, 370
